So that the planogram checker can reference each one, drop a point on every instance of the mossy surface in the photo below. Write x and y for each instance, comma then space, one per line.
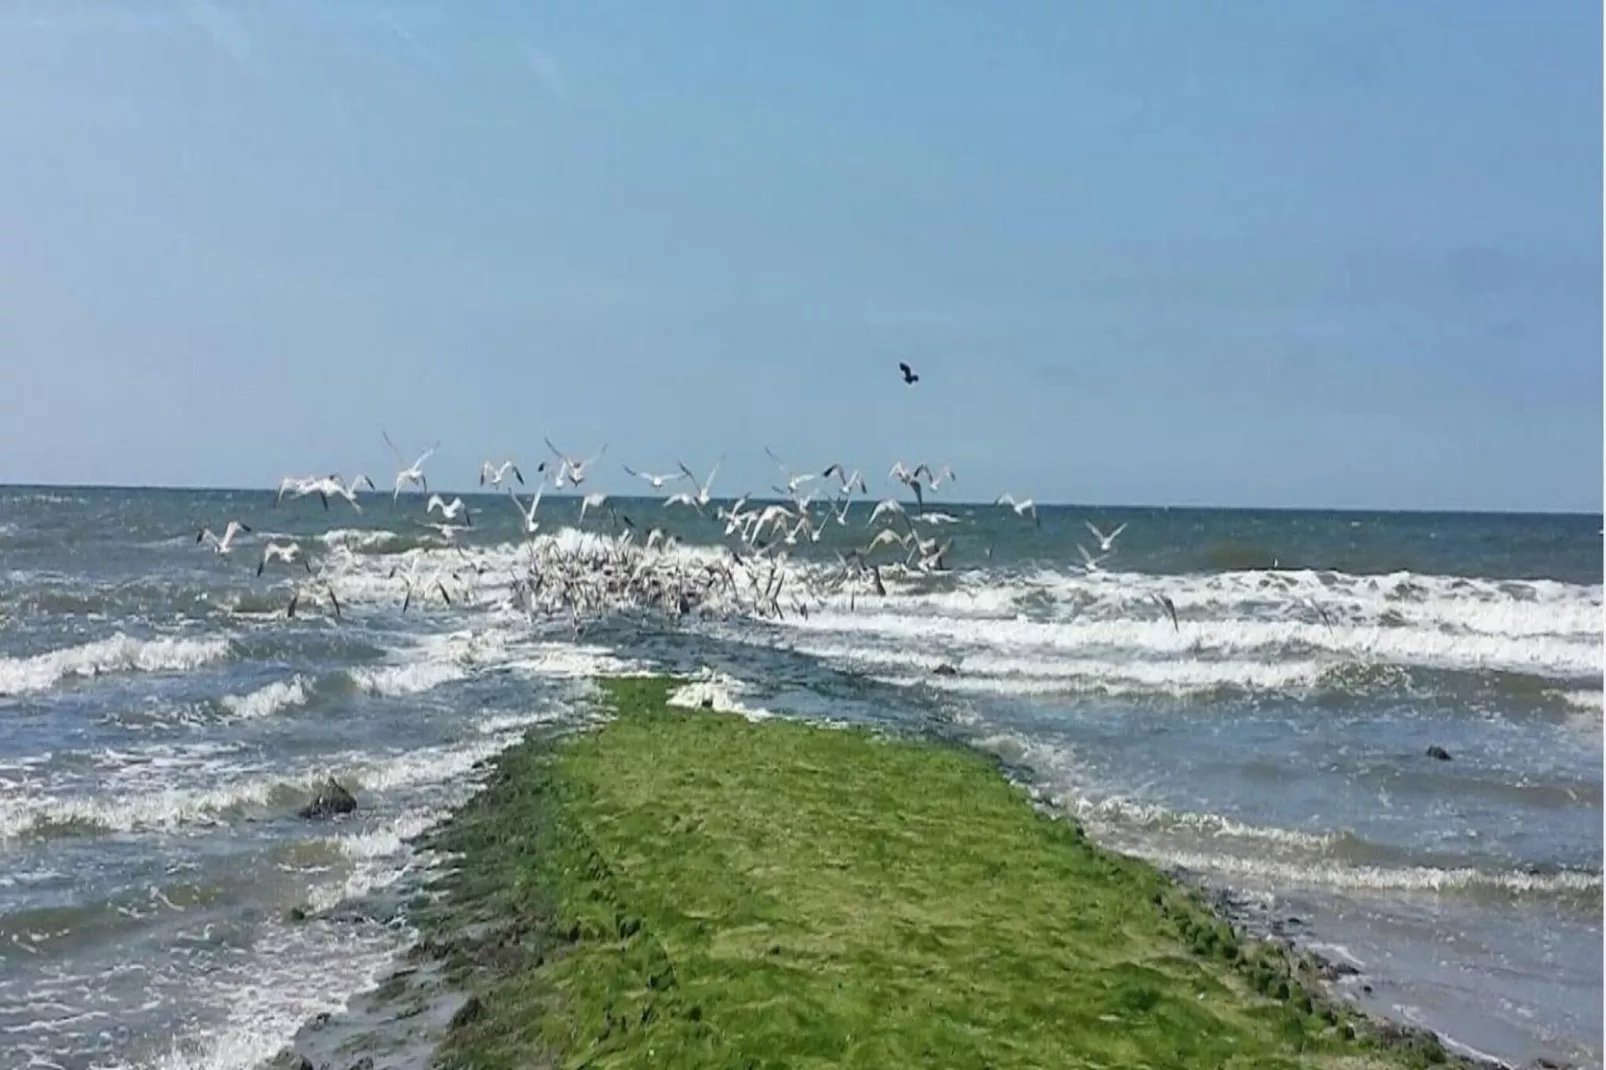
688, 889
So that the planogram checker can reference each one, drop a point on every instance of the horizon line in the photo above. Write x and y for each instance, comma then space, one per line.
1598, 513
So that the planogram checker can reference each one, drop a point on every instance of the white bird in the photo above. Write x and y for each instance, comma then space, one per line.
657, 481
528, 515
591, 501
226, 543
413, 474
286, 552
449, 512
1021, 507
848, 481
886, 505
496, 473
1106, 542
908, 479
331, 487
886, 537
1170, 607
295, 599
1089, 562
570, 468
935, 518
702, 488
684, 498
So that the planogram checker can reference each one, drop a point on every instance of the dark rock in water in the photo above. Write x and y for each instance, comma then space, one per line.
708, 703
1439, 753
329, 800
946, 669
290, 1060
471, 1009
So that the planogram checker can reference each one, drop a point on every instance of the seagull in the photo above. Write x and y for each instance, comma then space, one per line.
295, 600
657, 481
885, 537
226, 543
412, 580
908, 479
1106, 542
848, 482
528, 515
1089, 562
886, 505
285, 552
413, 474
909, 376
497, 473
683, 498
1021, 507
591, 501
329, 487
702, 489
574, 469
1321, 613
449, 512
934, 479
936, 518
1169, 606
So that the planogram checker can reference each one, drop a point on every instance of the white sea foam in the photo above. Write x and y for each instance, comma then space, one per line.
392, 681
266, 701
1334, 874
718, 691
141, 806
119, 653
1222, 639
1133, 812
361, 539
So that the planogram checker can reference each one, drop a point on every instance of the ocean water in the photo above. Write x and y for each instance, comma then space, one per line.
161, 720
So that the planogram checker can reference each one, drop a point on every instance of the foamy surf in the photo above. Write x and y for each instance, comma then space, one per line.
119, 653
721, 692
267, 701
1377, 879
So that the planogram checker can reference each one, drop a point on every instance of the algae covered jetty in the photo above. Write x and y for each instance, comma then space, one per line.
687, 888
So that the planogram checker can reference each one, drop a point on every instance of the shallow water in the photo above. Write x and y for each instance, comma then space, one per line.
163, 721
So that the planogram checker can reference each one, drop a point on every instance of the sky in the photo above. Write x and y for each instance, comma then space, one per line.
1236, 253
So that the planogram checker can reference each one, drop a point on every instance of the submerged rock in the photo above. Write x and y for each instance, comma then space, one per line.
946, 669
1438, 753
328, 800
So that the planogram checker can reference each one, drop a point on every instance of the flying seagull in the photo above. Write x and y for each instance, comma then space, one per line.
909, 376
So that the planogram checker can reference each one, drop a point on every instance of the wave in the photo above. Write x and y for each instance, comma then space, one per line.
1575, 884
158, 809
266, 701
119, 653
1563, 658
393, 681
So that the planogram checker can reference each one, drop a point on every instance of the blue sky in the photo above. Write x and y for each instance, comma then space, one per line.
1236, 253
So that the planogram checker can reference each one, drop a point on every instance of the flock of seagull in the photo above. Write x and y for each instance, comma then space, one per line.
624, 570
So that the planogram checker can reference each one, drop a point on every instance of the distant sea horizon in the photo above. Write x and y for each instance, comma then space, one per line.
1598, 512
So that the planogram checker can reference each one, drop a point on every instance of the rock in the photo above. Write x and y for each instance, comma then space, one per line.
471, 1010
290, 1060
946, 669
328, 800
1438, 753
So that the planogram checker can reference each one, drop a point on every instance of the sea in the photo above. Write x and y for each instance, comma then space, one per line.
162, 720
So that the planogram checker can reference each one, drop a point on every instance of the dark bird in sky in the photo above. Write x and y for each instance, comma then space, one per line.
909, 375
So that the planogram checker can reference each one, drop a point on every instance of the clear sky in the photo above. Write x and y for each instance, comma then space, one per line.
1248, 252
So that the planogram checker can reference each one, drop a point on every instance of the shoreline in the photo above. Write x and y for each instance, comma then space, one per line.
480, 938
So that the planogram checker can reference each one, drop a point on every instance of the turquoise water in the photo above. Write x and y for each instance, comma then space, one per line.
163, 720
